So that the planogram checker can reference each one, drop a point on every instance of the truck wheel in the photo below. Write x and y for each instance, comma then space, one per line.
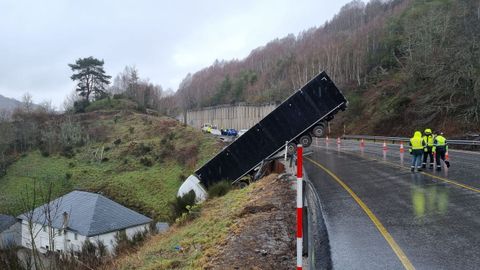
291, 148
242, 184
318, 130
305, 140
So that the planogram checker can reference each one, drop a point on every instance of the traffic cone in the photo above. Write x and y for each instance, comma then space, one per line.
401, 147
326, 139
446, 155
338, 140
384, 145
362, 143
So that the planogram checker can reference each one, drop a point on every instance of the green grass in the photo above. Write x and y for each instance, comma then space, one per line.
198, 239
122, 177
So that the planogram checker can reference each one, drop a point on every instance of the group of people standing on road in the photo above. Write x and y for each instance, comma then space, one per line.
427, 145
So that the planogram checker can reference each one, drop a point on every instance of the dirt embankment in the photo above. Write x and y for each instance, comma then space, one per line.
264, 235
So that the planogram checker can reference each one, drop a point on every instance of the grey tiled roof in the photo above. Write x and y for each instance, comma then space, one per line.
6, 222
89, 214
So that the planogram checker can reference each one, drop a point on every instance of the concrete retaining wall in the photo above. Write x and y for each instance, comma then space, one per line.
228, 116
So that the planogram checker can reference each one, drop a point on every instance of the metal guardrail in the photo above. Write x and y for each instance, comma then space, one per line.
316, 245
315, 230
405, 139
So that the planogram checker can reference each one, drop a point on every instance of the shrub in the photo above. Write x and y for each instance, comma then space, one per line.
179, 205
146, 161
80, 105
68, 152
93, 255
193, 211
68, 176
10, 260
219, 189
45, 153
131, 130
142, 149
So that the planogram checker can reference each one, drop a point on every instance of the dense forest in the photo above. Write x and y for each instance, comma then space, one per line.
403, 64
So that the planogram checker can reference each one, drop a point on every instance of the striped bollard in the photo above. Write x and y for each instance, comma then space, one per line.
299, 206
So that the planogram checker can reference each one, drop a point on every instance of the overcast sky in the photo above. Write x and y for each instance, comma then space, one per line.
165, 40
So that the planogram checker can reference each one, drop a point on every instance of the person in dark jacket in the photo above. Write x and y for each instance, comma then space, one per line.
428, 150
440, 147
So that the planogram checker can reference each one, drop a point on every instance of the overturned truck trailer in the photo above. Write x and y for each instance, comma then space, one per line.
301, 116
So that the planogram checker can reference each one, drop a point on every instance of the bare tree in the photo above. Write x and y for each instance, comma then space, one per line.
27, 102
40, 219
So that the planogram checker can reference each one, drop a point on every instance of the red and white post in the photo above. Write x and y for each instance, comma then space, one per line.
299, 206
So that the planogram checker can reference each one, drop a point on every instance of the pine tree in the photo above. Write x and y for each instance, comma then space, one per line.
91, 77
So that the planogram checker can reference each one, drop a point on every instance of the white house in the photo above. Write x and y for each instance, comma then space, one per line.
76, 217
10, 234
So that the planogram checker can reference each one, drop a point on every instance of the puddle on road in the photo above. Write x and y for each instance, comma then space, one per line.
428, 198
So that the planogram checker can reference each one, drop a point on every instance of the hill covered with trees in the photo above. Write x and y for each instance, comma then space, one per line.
403, 64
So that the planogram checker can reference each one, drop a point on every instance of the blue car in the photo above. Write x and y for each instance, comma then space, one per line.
229, 132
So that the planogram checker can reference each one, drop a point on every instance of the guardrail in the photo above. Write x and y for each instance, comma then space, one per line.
405, 139
316, 239
316, 247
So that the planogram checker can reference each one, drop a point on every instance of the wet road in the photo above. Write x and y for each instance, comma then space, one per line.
379, 215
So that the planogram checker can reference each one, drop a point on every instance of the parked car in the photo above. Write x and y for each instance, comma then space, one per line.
241, 132
229, 132
215, 131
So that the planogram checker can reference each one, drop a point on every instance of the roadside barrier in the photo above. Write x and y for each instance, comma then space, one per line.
405, 139
315, 234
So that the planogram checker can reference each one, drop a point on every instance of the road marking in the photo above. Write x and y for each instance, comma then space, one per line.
395, 247
452, 182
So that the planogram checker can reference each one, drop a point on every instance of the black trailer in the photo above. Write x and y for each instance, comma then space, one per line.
296, 120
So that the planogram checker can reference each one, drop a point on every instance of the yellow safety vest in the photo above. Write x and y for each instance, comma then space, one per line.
440, 140
416, 142
428, 139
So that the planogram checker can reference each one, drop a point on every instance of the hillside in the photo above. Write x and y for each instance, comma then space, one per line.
8, 103
136, 159
403, 64
259, 219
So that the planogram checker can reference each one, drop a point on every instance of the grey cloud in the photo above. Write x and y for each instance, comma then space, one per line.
39, 38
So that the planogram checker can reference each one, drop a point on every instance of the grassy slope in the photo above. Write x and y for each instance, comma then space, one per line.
199, 239
170, 146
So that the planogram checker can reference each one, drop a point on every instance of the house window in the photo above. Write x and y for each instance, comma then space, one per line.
75, 236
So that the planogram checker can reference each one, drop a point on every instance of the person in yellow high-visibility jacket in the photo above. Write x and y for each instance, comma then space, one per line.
428, 150
440, 147
416, 150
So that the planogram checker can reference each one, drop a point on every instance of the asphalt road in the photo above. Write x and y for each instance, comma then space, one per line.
379, 215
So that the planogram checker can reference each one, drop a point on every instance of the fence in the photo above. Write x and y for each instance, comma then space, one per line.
240, 116
316, 241
405, 139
